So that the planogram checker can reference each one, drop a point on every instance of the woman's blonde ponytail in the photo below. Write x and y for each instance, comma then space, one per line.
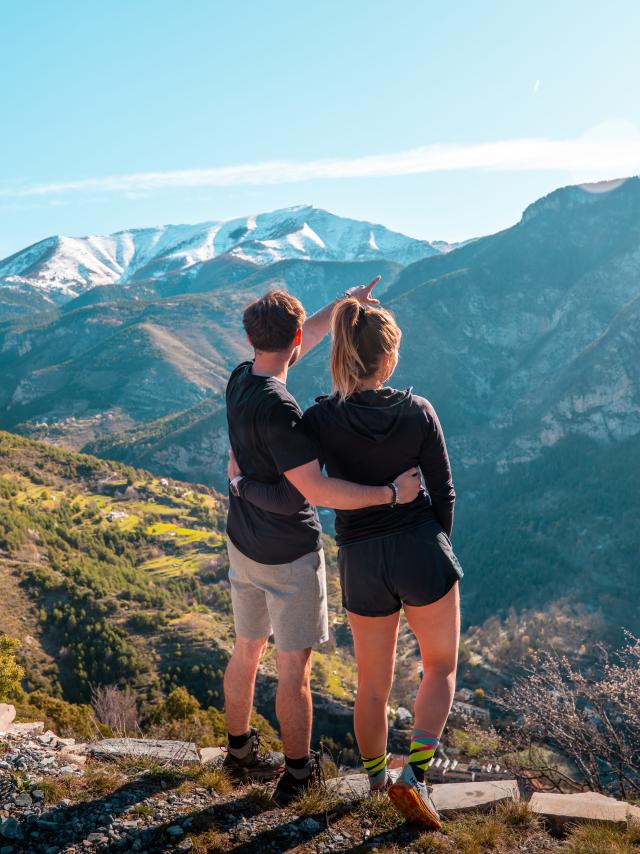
346, 364
362, 337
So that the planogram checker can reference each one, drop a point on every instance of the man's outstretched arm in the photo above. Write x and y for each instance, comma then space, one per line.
317, 326
344, 495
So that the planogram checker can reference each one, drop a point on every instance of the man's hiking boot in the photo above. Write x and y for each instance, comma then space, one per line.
413, 799
289, 787
253, 764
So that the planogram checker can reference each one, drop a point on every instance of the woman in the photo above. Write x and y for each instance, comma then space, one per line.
390, 558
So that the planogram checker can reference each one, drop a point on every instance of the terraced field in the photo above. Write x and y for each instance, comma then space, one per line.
173, 517
126, 575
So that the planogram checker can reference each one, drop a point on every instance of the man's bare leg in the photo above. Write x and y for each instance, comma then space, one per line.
244, 758
240, 682
293, 702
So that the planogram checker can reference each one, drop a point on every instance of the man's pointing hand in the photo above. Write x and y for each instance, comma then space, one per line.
363, 293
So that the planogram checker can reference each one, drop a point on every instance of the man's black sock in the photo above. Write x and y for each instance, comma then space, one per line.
298, 768
237, 742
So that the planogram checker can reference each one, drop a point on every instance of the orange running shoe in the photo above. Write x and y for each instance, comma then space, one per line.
413, 799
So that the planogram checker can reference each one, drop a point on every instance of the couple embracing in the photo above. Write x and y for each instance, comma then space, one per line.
379, 447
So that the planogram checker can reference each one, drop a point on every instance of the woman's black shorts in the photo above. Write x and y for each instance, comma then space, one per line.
416, 566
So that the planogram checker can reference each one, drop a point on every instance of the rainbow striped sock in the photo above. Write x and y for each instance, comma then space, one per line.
423, 747
376, 769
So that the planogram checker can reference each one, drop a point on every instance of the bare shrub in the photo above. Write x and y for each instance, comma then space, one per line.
594, 721
116, 708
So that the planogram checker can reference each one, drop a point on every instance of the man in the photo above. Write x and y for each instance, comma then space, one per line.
277, 571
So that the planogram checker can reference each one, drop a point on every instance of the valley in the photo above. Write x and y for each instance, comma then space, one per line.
525, 341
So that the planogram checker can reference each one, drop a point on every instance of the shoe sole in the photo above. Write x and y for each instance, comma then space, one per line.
413, 808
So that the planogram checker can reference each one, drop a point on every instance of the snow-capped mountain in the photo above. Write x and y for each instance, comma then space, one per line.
67, 266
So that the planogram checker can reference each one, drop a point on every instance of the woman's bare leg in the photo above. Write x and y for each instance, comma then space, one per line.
437, 630
374, 640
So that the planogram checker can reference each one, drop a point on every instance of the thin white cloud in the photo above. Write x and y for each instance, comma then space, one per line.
611, 149
536, 86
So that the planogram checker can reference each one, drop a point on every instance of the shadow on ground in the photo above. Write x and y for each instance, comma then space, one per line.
75, 823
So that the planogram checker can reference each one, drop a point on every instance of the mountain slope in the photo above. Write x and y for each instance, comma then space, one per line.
113, 576
67, 266
189, 445
526, 342
89, 549
140, 360
511, 317
563, 527
96, 360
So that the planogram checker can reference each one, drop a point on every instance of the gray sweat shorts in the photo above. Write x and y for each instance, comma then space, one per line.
288, 600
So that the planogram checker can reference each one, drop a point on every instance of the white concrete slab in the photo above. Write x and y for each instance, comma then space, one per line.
560, 810
448, 797
179, 752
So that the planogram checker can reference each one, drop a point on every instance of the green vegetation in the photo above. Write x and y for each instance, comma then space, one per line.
82, 542
180, 716
114, 577
333, 674
10, 671
546, 531
316, 800
67, 719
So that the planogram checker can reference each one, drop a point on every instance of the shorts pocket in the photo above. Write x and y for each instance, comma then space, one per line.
445, 544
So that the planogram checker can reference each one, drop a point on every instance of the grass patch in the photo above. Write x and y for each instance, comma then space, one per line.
54, 790
171, 566
517, 814
143, 810
329, 768
333, 675
182, 536
475, 834
511, 827
209, 842
315, 800
260, 795
215, 779
379, 810
129, 523
206, 837
596, 839
95, 783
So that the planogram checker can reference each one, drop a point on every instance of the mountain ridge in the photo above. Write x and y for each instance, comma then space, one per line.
67, 266
525, 342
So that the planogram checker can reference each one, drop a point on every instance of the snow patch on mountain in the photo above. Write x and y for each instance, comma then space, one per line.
67, 266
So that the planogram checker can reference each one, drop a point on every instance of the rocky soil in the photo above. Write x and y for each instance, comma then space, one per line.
57, 797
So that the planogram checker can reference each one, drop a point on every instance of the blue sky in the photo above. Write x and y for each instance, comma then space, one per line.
442, 120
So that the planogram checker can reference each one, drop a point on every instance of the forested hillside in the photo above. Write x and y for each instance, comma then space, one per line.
111, 576
114, 577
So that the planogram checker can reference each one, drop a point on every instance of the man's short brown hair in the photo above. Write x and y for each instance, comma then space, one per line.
272, 321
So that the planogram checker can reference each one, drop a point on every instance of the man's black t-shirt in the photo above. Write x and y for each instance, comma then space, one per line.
268, 438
